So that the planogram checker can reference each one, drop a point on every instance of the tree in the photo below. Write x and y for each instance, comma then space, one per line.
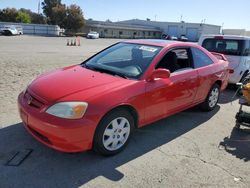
75, 19
23, 17
59, 15
108, 20
47, 6
35, 18
38, 19
8, 15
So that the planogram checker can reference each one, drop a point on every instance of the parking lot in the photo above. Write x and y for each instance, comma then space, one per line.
190, 149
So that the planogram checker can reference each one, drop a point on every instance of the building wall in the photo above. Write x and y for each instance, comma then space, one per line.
194, 30
122, 33
36, 29
248, 33
241, 32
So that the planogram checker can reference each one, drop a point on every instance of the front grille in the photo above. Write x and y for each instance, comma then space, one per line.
32, 101
44, 138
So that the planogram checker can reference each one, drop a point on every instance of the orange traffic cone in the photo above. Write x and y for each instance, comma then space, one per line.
78, 41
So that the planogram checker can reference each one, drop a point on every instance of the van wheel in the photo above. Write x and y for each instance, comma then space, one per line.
245, 78
113, 132
212, 98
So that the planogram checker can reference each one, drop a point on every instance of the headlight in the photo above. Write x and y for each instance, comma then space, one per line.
68, 110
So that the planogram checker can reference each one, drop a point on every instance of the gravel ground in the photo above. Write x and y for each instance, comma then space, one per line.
189, 149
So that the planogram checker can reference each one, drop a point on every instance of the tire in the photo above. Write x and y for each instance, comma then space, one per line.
111, 139
244, 80
237, 125
212, 98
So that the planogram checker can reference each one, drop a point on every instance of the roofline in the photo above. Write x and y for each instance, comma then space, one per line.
94, 23
124, 27
167, 22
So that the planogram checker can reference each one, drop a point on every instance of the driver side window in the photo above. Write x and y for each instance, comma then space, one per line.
176, 60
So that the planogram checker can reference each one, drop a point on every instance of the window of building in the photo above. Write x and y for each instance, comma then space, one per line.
120, 32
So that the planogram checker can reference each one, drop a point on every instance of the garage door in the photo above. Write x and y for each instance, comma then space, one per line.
192, 34
173, 30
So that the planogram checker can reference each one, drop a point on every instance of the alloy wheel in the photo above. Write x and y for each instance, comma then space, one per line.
116, 134
213, 98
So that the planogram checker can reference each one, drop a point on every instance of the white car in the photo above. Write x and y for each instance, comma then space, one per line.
183, 38
235, 48
93, 35
11, 30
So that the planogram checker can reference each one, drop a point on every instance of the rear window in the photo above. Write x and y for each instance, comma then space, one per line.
224, 46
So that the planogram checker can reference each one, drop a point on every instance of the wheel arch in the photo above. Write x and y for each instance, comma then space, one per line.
129, 108
219, 82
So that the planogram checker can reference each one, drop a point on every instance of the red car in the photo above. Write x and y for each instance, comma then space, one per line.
98, 103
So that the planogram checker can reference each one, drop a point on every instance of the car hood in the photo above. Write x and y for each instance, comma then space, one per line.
61, 83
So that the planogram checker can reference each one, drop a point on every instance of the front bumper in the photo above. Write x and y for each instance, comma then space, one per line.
57, 133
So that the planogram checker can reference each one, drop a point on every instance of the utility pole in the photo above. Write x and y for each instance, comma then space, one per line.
38, 11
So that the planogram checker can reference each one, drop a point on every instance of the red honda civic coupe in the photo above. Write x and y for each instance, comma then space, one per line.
97, 104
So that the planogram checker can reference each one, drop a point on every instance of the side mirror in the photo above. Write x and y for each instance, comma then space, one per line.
159, 73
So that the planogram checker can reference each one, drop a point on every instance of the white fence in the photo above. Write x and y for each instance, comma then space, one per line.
37, 29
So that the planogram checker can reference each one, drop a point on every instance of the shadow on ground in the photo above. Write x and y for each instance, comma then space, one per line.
48, 168
238, 143
228, 95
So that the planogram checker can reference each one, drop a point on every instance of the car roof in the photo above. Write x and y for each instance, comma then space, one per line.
227, 36
159, 42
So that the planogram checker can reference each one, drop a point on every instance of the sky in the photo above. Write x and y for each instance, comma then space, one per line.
230, 14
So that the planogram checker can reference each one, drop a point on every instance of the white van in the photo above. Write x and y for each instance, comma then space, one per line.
235, 48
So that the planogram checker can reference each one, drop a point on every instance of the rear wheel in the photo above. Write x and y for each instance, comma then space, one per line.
113, 132
212, 98
245, 78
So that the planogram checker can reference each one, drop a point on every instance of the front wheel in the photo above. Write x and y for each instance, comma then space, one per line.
212, 98
113, 132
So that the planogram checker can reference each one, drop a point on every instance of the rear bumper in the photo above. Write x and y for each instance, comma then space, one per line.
236, 76
57, 133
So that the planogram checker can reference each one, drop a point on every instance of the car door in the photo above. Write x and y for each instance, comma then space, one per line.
168, 96
208, 73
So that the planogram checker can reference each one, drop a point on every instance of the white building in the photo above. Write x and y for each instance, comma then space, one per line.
241, 32
192, 31
36, 29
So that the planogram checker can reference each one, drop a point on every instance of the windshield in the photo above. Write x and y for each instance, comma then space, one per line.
224, 46
124, 59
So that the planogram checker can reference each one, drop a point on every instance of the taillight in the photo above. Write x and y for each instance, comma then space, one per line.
231, 71
219, 37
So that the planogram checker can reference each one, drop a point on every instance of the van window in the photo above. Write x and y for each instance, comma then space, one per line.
224, 46
247, 48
